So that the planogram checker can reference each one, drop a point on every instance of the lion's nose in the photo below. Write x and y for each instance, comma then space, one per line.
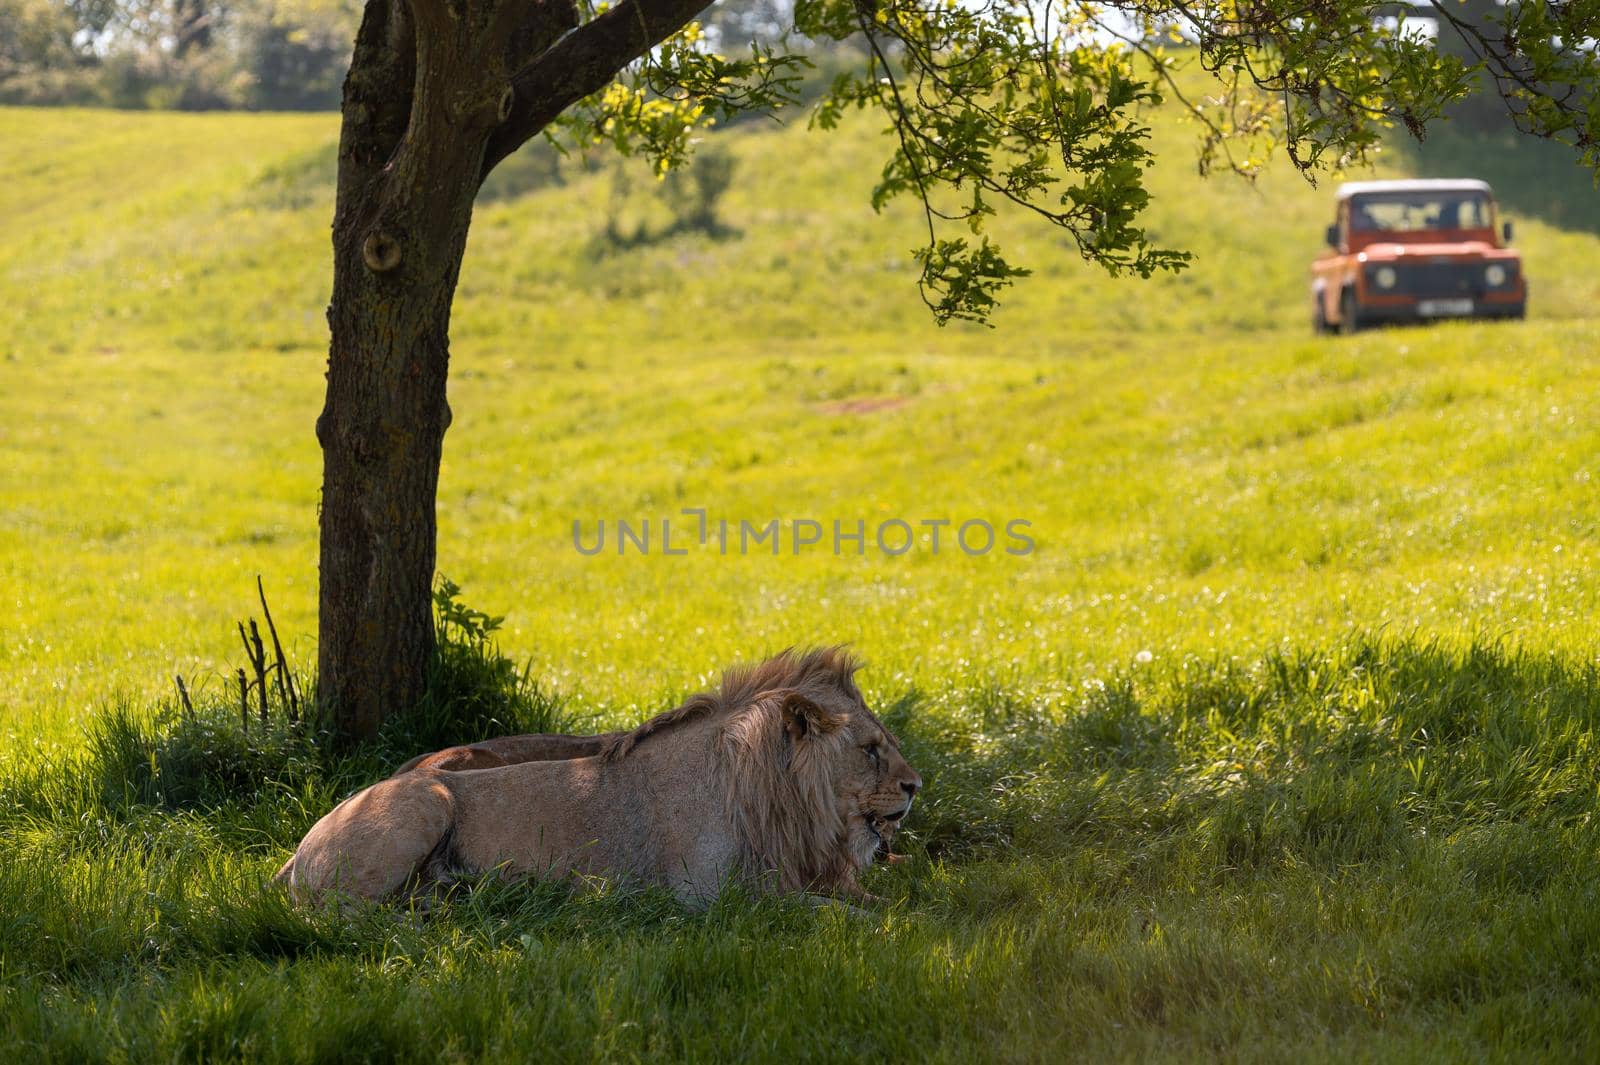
910, 787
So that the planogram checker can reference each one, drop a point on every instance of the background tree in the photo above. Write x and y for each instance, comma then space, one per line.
1485, 34
294, 52
693, 192
192, 24
731, 25
1006, 104
40, 51
264, 54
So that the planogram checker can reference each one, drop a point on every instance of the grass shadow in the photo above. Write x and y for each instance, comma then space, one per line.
1192, 779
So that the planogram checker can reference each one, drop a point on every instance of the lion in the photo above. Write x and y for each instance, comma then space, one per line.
781, 779
511, 750
548, 747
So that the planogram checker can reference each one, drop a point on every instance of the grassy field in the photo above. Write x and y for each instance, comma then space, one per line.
1280, 744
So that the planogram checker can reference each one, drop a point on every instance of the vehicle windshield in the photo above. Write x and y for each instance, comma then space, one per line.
1407, 212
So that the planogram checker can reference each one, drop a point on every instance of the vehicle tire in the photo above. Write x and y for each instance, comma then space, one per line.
1319, 320
1349, 317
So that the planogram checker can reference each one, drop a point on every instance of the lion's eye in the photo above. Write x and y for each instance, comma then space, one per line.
872, 752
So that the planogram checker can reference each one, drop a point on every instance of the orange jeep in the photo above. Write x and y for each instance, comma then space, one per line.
1407, 251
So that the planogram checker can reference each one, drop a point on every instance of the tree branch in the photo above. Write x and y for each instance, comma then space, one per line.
582, 63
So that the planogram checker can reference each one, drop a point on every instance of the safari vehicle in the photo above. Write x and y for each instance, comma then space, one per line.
1406, 251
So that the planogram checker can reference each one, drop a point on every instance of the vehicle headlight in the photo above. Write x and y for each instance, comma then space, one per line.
1385, 277
1495, 274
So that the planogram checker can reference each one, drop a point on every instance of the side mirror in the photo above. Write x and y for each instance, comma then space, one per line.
1332, 235
1505, 232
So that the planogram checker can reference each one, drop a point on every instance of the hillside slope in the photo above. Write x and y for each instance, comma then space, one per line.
1200, 474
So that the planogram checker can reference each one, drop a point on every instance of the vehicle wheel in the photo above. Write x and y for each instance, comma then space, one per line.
1319, 320
1349, 317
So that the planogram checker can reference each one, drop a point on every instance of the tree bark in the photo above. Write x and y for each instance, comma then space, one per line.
382, 433
439, 91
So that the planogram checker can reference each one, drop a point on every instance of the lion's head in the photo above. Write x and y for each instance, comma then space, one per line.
814, 784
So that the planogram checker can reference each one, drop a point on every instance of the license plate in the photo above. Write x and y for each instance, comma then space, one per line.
1443, 308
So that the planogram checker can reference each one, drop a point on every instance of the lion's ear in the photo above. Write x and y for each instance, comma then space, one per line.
802, 717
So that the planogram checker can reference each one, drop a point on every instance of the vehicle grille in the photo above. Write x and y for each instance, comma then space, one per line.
1434, 280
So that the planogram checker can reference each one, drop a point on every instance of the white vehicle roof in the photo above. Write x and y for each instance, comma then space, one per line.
1358, 188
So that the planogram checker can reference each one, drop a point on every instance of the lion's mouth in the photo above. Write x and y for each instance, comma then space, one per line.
880, 846
883, 827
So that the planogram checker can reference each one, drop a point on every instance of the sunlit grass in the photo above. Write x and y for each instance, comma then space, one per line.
1200, 474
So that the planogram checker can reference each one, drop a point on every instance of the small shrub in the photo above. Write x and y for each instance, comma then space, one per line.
210, 754
474, 691
693, 192
181, 760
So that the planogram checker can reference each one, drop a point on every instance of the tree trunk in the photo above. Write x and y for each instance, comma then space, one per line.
399, 232
382, 432
194, 27
439, 91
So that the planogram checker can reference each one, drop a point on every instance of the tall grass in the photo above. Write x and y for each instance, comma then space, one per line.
1380, 847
